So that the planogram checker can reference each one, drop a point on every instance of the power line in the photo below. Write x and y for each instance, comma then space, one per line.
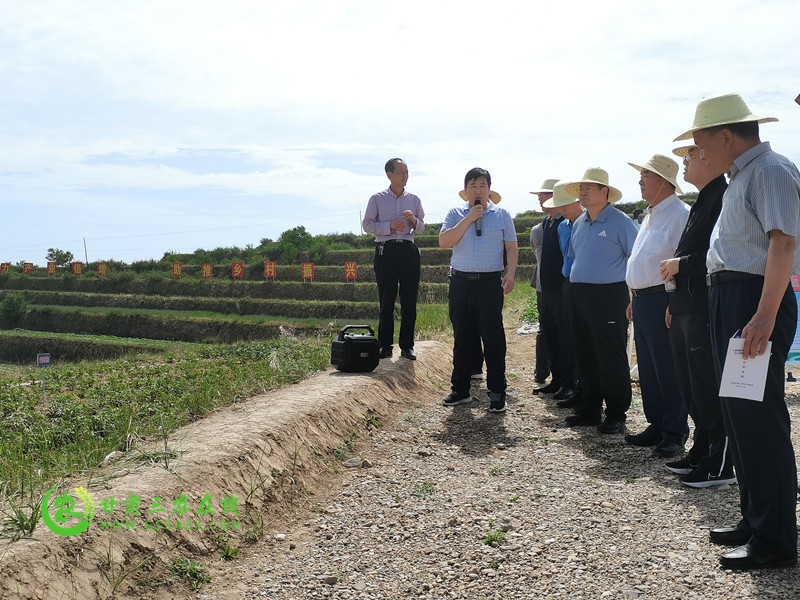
142, 235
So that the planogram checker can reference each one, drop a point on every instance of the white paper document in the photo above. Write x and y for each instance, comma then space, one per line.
744, 378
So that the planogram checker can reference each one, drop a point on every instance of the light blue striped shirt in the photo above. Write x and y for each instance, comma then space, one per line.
483, 254
763, 194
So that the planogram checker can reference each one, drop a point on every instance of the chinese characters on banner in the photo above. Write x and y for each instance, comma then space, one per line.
307, 270
350, 270
206, 270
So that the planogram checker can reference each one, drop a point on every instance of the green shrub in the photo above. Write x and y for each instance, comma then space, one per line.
13, 307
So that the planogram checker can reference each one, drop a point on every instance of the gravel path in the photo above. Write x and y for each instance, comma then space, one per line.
574, 514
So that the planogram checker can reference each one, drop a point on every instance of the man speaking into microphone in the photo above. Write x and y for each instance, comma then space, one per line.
480, 234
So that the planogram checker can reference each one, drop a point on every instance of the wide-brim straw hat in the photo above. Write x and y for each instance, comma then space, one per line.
593, 175
662, 166
724, 109
560, 197
683, 150
493, 196
547, 187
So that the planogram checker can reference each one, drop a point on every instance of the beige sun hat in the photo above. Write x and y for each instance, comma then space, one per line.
683, 150
662, 166
547, 187
723, 109
560, 196
493, 196
593, 175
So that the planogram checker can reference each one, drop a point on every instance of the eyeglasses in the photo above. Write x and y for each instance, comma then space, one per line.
694, 152
587, 187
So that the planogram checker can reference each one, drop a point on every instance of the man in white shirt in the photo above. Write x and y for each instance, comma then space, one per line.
657, 239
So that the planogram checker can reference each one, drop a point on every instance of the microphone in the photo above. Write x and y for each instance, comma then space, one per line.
478, 222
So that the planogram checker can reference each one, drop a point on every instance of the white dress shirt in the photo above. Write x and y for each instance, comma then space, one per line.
657, 239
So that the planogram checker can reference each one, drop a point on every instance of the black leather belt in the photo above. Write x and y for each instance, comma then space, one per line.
394, 242
654, 289
477, 276
728, 276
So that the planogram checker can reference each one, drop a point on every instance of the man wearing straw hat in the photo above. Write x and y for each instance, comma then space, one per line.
552, 315
708, 462
752, 254
480, 233
656, 241
602, 240
570, 208
542, 367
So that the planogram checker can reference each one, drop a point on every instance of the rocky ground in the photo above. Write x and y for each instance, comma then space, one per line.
460, 503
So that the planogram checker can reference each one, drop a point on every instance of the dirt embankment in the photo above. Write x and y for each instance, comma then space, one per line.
258, 452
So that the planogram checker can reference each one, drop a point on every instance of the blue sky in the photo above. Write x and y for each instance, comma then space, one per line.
146, 127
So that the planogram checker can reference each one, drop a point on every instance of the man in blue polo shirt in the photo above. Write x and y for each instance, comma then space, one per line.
602, 240
479, 233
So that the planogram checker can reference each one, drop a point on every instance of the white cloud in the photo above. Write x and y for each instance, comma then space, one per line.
206, 115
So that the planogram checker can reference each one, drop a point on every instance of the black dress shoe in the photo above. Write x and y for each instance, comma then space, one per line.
667, 449
565, 392
409, 354
550, 388
729, 536
611, 426
570, 403
746, 557
583, 420
649, 437
385, 352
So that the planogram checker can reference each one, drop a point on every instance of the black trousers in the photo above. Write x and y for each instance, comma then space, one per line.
600, 330
690, 339
397, 263
476, 307
553, 319
542, 369
759, 432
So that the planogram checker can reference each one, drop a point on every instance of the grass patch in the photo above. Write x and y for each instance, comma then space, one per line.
94, 408
495, 538
423, 490
192, 571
